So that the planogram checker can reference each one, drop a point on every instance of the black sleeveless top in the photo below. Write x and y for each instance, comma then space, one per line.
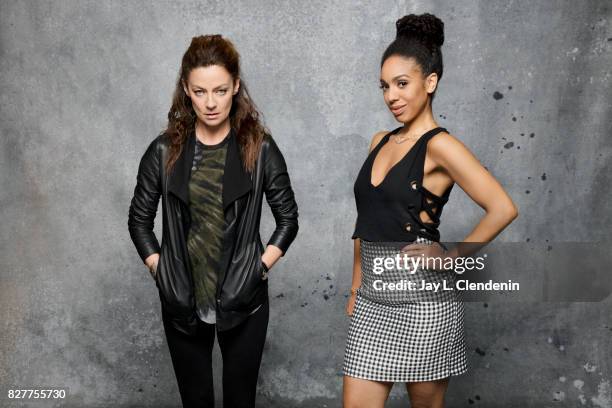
390, 211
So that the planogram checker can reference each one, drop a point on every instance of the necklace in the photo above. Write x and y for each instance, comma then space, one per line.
397, 139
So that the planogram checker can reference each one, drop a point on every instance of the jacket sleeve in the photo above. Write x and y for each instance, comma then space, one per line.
280, 197
143, 207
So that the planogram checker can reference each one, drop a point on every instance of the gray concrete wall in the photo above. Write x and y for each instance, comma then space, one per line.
86, 85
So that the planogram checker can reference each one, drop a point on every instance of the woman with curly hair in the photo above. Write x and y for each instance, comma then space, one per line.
211, 167
411, 336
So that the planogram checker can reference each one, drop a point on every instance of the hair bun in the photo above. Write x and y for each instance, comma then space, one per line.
425, 27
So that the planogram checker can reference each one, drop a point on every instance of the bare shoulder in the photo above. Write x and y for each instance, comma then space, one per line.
444, 146
377, 138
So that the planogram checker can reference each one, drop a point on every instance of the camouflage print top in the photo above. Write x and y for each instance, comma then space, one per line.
205, 238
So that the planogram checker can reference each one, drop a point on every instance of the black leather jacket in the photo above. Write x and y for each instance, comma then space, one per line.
240, 285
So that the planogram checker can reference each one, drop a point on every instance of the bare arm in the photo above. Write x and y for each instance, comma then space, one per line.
465, 169
356, 283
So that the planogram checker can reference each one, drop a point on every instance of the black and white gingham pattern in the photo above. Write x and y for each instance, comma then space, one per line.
407, 342
371, 282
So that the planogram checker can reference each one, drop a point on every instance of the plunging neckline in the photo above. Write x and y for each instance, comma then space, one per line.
377, 150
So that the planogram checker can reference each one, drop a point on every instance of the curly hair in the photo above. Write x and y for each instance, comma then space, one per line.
419, 37
245, 119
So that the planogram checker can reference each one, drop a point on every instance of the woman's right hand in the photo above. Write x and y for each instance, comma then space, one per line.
350, 305
151, 262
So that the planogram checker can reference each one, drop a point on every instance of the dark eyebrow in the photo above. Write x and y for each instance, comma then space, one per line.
214, 89
399, 76
396, 77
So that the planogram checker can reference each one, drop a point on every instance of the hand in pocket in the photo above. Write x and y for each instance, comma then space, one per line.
264, 270
152, 264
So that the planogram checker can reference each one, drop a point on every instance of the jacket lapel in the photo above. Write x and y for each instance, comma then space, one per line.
236, 180
178, 179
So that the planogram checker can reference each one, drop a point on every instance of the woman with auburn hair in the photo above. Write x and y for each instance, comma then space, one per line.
411, 336
211, 167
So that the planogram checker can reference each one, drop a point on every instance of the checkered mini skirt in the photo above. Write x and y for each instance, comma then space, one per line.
404, 335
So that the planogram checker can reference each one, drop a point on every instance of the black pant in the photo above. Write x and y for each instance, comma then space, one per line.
241, 349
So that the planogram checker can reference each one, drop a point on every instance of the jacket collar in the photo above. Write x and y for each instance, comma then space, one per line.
236, 180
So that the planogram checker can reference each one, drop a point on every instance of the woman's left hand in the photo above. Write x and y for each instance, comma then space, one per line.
266, 269
268, 259
436, 253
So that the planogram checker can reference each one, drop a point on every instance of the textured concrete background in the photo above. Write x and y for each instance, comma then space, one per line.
86, 85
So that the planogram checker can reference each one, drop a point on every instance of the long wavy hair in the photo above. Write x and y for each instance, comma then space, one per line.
245, 119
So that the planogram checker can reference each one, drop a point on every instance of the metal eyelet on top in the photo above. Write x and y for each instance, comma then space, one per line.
408, 226
414, 185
